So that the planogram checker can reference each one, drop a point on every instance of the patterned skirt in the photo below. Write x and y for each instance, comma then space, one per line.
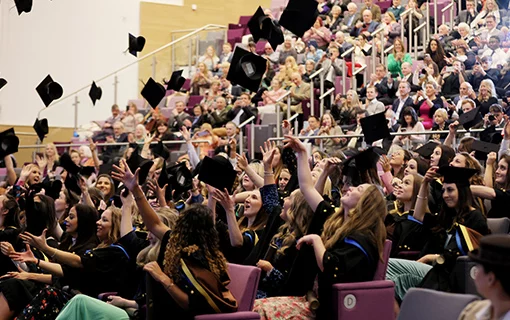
283, 308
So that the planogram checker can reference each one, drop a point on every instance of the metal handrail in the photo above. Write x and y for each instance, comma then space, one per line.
241, 137
347, 52
327, 93
312, 89
421, 26
113, 144
316, 73
283, 97
389, 49
359, 70
250, 119
139, 60
373, 34
448, 7
418, 28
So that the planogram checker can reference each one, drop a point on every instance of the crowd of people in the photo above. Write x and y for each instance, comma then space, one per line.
124, 230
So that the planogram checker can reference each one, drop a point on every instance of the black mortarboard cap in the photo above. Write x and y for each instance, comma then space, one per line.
470, 119
3, 82
136, 161
68, 164
262, 26
41, 128
456, 175
136, 44
87, 171
23, 6
71, 183
95, 93
246, 69
217, 172
375, 127
176, 81
427, 149
49, 90
180, 179
490, 134
9, 142
482, 149
364, 160
52, 188
299, 16
153, 92
160, 150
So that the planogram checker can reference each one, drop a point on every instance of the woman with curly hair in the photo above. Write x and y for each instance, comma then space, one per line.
191, 255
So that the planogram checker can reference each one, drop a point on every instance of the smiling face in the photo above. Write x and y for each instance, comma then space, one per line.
403, 89
72, 222
353, 194
252, 204
433, 46
326, 120
248, 185
501, 172
484, 90
450, 194
287, 202
458, 161
104, 184
430, 90
438, 119
436, 156
283, 180
104, 225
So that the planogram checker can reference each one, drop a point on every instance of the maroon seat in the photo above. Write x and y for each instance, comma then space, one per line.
234, 36
243, 20
194, 100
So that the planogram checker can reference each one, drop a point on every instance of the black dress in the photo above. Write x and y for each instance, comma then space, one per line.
485, 105
499, 207
352, 259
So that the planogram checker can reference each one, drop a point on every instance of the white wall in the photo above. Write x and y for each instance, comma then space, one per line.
76, 41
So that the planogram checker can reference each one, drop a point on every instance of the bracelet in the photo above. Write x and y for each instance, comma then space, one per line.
168, 286
422, 198
38, 261
268, 172
54, 253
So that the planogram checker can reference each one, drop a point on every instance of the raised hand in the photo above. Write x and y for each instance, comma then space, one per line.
491, 158
185, 134
268, 152
242, 162
294, 143
431, 174
385, 163
223, 198
41, 162
35, 241
127, 200
156, 189
331, 165
123, 174
286, 129
27, 256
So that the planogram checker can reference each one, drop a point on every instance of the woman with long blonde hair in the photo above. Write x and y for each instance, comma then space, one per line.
487, 96
48, 162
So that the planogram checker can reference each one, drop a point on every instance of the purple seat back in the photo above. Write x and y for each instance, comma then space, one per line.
244, 282
260, 47
243, 20
193, 100
384, 5
166, 112
307, 111
421, 304
187, 85
234, 36
380, 272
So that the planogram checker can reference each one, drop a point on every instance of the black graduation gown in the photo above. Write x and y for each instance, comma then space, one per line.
237, 254
345, 262
163, 305
448, 243
9, 234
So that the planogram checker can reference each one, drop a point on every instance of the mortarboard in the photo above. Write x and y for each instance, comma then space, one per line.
299, 16
136, 44
41, 128
160, 150
49, 90
136, 161
153, 92
427, 149
470, 119
9, 142
176, 81
217, 172
456, 175
483, 148
361, 161
180, 179
23, 6
262, 26
3, 82
246, 69
375, 127
95, 93
87, 171
490, 134
163, 180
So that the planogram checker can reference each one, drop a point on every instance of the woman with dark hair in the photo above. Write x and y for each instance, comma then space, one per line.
163, 133
63, 204
22, 286
497, 185
427, 103
105, 184
10, 228
192, 249
441, 157
436, 52
455, 231
409, 122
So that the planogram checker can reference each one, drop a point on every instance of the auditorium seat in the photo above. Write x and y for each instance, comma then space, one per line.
499, 225
244, 282
367, 300
243, 20
425, 304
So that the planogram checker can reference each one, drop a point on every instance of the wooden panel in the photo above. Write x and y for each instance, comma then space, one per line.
157, 21
55, 134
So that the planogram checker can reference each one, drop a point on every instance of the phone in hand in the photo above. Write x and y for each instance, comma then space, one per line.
202, 133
